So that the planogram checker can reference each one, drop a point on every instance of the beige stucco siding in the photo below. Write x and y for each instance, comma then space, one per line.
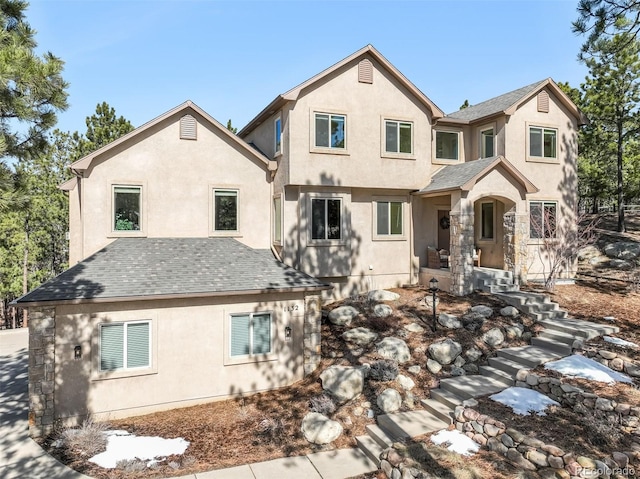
190, 361
177, 179
362, 163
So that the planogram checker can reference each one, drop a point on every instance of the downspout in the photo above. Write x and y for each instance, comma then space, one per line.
411, 242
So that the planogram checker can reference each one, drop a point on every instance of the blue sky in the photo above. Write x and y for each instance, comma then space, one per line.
232, 58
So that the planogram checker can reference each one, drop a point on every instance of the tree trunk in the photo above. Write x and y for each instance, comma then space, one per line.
25, 273
621, 225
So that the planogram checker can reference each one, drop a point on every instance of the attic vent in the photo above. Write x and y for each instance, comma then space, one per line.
543, 102
188, 129
365, 71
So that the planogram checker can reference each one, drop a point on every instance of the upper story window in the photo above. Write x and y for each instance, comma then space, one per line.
225, 210
398, 136
487, 149
277, 219
330, 130
542, 142
447, 145
125, 346
326, 219
278, 135
126, 208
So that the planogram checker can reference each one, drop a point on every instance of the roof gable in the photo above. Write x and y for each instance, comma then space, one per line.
294, 93
84, 163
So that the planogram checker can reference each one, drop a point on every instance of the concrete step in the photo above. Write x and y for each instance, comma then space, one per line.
506, 365
518, 298
490, 281
403, 425
439, 410
370, 447
499, 374
559, 336
529, 356
445, 397
552, 344
578, 327
558, 314
468, 387
379, 436
539, 307
499, 288
484, 273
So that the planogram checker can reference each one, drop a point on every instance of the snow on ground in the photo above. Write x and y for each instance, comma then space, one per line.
579, 366
524, 401
122, 445
620, 342
457, 441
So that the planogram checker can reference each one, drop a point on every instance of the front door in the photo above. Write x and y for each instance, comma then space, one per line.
443, 229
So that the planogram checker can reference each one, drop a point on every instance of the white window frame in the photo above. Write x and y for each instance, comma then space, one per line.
126, 325
328, 149
398, 153
388, 236
277, 228
543, 128
489, 239
212, 210
543, 204
277, 137
483, 150
326, 240
111, 231
272, 355
438, 160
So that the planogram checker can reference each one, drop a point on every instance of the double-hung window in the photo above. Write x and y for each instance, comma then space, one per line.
326, 218
125, 346
330, 130
126, 208
225, 210
250, 334
486, 143
398, 136
447, 145
389, 218
542, 142
278, 135
542, 219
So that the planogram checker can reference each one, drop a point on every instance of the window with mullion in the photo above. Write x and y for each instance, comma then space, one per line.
542, 219
389, 218
330, 130
542, 142
398, 137
125, 346
250, 334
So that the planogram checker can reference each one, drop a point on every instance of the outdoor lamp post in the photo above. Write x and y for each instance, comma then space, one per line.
433, 287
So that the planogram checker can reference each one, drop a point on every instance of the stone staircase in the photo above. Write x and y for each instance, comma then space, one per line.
554, 342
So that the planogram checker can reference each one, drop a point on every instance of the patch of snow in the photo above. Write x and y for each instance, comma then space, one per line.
524, 401
122, 445
457, 442
609, 318
579, 366
620, 342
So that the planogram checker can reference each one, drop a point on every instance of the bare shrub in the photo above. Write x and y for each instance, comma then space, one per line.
382, 324
131, 465
87, 440
383, 370
322, 404
272, 430
601, 429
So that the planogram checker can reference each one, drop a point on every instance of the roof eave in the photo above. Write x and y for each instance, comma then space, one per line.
68, 185
266, 112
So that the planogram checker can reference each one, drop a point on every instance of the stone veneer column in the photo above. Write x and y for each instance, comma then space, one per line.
461, 254
312, 333
42, 335
516, 236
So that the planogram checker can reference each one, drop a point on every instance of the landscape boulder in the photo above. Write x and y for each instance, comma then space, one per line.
473, 354
414, 328
509, 312
360, 336
382, 310
473, 321
395, 349
483, 310
446, 351
405, 382
319, 429
626, 250
343, 315
434, 366
343, 382
389, 400
449, 321
382, 295
493, 337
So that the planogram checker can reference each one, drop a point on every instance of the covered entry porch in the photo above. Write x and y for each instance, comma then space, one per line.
472, 213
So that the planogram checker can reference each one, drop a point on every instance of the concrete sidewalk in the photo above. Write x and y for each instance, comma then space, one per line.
21, 457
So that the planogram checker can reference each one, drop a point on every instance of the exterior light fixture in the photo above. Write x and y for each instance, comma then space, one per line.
433, 287
77, 352
287, 333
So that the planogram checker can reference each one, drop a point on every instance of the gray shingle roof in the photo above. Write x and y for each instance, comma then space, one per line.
494, 105
141, 267
455, 176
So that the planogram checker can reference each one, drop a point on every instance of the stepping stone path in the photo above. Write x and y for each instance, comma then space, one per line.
554, 342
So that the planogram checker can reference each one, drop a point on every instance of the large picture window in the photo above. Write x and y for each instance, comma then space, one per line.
330, 130
225, 210
125, 346
398, 136
542, 142
326, 219
447, 145
389, 218
542, 219
126, 208
250, 334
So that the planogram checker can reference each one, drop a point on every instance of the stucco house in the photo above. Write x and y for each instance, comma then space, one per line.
200, 258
